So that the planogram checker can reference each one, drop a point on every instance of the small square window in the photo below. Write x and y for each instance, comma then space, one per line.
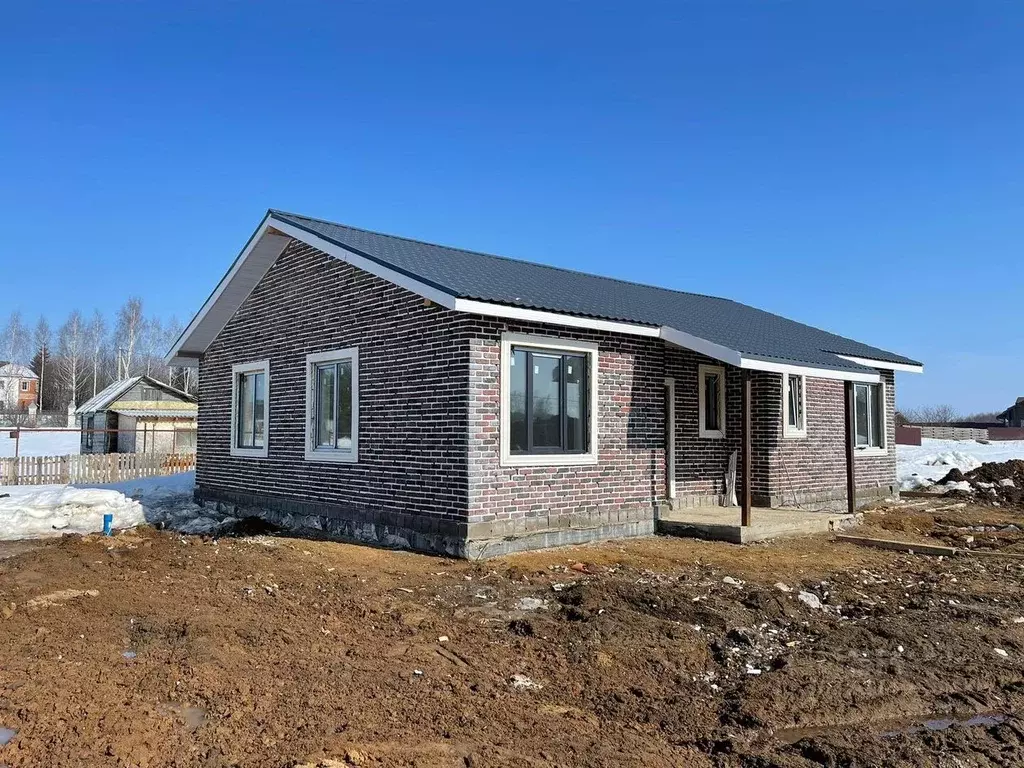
794, 408
332, 406
24, 386
711, 401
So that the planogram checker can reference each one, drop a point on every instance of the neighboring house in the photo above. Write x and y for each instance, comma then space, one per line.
19, 386
138, 415
1014, 415
392, 391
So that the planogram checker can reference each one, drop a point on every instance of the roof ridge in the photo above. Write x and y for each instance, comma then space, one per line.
502, 258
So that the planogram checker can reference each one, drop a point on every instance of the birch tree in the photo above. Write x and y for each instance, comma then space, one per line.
42, 338
15, 339
153, 342
130, 327
71, 349
96, 342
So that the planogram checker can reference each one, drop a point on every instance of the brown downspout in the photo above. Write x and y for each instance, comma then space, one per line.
747, 450
851, 471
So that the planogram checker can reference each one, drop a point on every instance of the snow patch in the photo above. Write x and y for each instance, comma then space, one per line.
33, 511
36, 511
35, 443
918, 466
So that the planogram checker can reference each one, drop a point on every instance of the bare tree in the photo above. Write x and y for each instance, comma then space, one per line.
41, 339
15, 339
186, 378
129, 331
71, 348
152, 347
932, 414
985, 417
96, 342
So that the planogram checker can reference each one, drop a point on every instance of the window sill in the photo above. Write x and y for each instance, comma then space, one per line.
792, 434
332, 457
551, 460
872, 452
712, 434
249, 453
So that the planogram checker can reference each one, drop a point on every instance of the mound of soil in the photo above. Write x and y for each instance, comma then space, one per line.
994, 482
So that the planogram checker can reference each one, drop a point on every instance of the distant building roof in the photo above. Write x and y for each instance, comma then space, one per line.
105, 397
16, 370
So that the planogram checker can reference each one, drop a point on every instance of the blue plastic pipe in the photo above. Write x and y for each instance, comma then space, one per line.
108, 522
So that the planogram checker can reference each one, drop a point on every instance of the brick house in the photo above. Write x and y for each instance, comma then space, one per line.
19, 386
386, 390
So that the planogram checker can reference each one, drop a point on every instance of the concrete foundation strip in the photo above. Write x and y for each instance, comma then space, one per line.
923, 549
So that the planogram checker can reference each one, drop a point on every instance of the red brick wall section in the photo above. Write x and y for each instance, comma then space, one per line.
815, 466
702, 462
413, 390
630, 474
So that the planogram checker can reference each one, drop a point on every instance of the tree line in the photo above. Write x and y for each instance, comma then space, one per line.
85, 354
938, 415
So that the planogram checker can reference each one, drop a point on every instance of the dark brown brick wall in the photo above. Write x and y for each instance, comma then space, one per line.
429, 413
630, 475
413, 390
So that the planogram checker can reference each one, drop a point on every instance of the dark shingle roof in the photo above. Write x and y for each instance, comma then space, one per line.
496, 279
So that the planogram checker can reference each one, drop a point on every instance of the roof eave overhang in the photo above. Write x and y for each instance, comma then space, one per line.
884, 364
273, 235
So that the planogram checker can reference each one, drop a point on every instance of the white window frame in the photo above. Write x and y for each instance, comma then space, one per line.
509, 340
870, 450
702, 430
262, 366
312, 452
788, 430
24, 386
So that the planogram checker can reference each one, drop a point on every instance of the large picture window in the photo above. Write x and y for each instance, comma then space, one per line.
548, 390
711, 401
869, 416
332, 405
249, 408
793, 405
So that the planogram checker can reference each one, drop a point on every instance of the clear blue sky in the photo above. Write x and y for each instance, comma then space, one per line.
855, 165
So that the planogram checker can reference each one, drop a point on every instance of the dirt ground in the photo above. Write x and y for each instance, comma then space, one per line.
157, 649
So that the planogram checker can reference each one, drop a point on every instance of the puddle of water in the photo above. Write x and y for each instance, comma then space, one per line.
193, 716
6, 734
891, 729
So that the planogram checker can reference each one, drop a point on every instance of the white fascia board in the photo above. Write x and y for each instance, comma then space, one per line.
906, 367
703, 346
806, 370
266, 245
436, 295
552, 318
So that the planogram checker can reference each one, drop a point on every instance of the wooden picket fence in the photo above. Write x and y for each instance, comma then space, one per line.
92, 468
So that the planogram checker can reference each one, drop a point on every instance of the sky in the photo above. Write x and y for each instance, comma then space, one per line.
855, 165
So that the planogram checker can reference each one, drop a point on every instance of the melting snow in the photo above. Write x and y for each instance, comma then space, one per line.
32, 511
921, 465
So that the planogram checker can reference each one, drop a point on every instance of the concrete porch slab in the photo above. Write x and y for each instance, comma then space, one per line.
723, 523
